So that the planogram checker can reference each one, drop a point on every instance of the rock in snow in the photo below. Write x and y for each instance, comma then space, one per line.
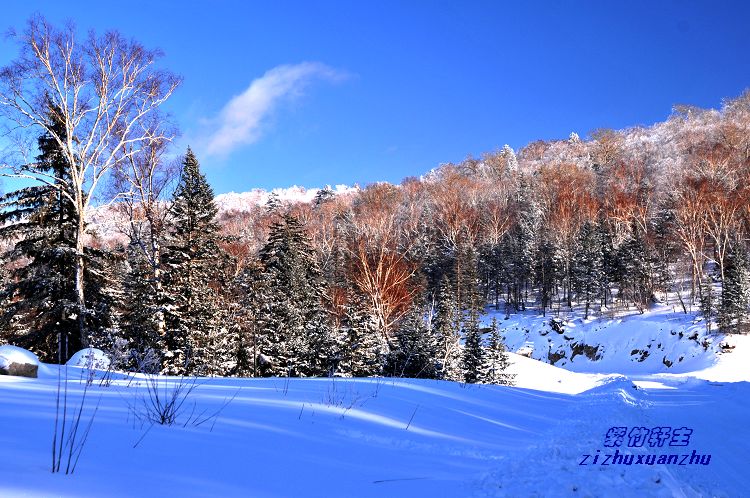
18, 361
90, 358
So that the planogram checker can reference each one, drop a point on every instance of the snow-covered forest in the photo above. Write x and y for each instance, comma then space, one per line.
504, 326
118, 246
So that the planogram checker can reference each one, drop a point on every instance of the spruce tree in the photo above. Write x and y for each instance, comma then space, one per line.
363, 348
634, 269
326, 194
193, 261
446, 328
473, 353
140, 310
496, 361
295, 329
413, 352
707, 303
549, 270
523, 243
588, 262
42, 313
735, 291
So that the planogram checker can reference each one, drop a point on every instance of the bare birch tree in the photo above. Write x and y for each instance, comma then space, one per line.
107, 90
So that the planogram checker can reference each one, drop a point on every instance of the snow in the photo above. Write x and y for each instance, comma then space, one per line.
373, 437
534, 374
13, 354
233, 202
660, 340
90, 358
378, 437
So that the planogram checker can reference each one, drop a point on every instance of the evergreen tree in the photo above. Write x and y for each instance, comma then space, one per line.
588, 262
496, 361
413, 354
610, 264
363, 347
635, 269
549, 271
707, 303
446, 328
469, 299
523, 244
473, 354
247, 290
323, 195
273, 204
140, 310
193, 261
665, 247
735, 291
42, 313
296, 335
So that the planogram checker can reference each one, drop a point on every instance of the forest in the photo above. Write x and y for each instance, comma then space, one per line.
382, 280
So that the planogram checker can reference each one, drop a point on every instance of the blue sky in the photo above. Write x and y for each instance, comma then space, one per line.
314, 93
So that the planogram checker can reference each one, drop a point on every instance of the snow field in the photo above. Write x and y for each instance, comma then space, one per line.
374, 437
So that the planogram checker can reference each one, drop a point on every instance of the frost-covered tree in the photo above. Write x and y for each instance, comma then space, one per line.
495, 361
43, 312
193, 261
105, 91
324, 195
141, 310
413, 351
523, 243
294, 327
446, 328
473, 353
511, 162
735, 291
588, 266
635, 269
362, 347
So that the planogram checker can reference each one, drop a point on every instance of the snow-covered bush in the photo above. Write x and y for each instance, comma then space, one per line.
92, 358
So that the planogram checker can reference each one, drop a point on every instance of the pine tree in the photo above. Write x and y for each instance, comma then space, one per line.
635, 269
193, 261
363, 348
140, 311
446, 328
296, 335
273, 203
496, 361
522, 247
707, 303
326, 194
610, 264
588, 262
548, 272
246, 291
473, 353
413, 353
42, 312
735, 291
469, 299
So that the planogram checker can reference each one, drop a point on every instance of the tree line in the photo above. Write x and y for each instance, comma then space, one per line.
388, 280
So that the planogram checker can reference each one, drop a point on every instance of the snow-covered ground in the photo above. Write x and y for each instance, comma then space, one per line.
392, 437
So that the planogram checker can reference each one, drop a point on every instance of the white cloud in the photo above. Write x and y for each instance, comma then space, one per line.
240, 122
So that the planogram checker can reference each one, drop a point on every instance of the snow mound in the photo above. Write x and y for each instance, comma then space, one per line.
13, 354
90, 358
535, 374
